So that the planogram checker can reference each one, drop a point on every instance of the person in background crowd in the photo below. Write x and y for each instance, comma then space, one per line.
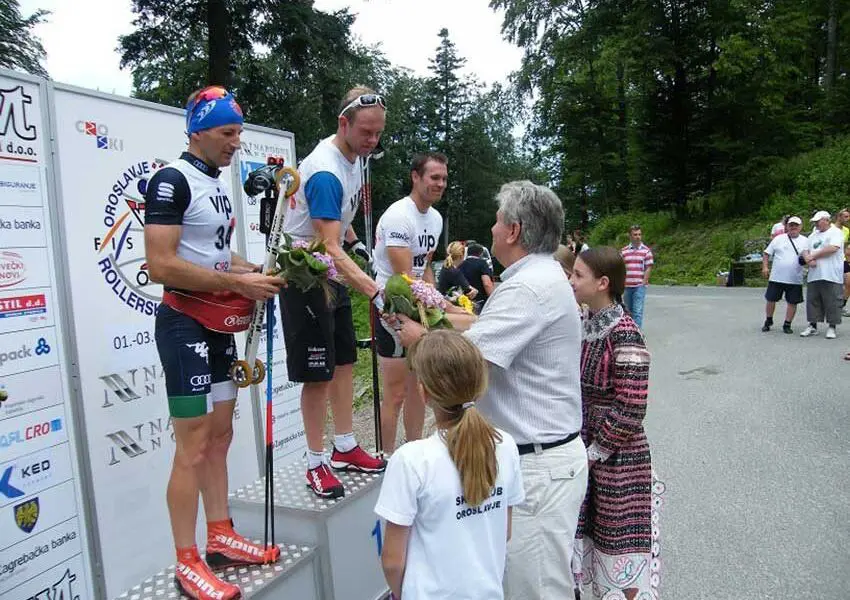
842, 218
451, 277
639, 260
529, 332
566, 258
321, 346
825, 258
785, 277
405, 240
614, 542
187, 249
447, 499
778, 227
479, 274
580, 242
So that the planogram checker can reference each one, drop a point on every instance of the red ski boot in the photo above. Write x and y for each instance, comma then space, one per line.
226, 548
193, 578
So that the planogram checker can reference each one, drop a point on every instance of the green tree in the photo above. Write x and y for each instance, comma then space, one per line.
20, 49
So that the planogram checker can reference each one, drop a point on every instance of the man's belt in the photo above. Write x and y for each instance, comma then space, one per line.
529, 448
224, 312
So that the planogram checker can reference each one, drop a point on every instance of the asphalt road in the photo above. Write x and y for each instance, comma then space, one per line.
751, 433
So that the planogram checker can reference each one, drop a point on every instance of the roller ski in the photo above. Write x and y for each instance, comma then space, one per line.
251, 370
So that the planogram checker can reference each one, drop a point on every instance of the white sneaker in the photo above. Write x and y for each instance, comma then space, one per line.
830, 333
809, 331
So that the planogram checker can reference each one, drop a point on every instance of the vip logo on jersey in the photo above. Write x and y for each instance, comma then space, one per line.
100, 132
19, 135
26, 515
120, 251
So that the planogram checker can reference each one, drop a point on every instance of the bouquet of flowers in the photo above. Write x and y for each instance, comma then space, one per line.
458, 298
418, 300
306, 264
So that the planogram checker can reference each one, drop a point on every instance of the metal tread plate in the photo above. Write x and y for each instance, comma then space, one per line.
291, 491
251, 579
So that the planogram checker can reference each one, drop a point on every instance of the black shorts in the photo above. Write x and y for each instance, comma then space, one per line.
846, 267
793, 293
318, 335
386, 340
196, 363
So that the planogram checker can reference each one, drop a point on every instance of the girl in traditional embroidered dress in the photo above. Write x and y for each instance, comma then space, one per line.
617, 553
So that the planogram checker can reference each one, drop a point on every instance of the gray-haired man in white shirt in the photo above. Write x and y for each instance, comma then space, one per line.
529, 332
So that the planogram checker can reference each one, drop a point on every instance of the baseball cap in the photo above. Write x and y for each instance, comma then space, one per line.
795, 220
821, 214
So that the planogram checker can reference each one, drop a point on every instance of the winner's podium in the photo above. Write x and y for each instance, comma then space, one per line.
346, 532
295, 575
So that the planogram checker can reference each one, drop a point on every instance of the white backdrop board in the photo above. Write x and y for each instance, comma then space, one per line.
108, 148
43, 545
258, 144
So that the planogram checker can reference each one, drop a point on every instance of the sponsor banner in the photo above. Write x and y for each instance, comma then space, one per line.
28, 350
25, 310
38, 485
108, 158
20, 185
33, 473
23, 435
38, 513
29, 392
24, 268
22, 226
20, 123
65, 581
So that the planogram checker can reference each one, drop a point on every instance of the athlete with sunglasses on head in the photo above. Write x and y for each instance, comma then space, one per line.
319, 335
188, 223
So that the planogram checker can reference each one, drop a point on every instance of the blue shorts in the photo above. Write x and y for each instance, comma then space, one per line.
196, 362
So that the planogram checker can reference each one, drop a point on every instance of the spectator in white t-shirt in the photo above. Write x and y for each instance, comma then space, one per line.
825, 259
785, 275
778, 228
447, 499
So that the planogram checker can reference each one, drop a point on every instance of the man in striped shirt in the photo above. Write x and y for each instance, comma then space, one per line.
639, 261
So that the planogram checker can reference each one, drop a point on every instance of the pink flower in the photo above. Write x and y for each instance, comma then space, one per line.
427, 294
332, 272
300, 244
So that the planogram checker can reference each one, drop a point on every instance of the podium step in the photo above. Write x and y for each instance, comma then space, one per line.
345, 531
294, 576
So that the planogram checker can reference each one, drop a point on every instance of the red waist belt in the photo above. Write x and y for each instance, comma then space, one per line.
224, 312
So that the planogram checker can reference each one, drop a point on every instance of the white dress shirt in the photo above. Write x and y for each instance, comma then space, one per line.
530, 333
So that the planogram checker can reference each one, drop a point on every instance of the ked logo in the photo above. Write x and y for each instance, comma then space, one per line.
100, 133
126, 387
61, 590
17, 132
26, 514
12, 269
29, 474
120, 251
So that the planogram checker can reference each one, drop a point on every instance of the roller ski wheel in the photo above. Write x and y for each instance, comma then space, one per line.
294, 181
241, 374
259, 372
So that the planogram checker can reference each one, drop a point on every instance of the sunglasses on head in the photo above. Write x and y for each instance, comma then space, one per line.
364, 100
213, 92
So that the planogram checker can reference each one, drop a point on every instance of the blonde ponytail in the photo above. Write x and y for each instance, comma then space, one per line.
454, 373
454, 255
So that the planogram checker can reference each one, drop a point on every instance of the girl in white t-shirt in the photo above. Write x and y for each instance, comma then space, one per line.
447, 498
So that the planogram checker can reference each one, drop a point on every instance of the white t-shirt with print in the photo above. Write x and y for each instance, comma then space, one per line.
454, 551
786, 268
828, 268
403, 226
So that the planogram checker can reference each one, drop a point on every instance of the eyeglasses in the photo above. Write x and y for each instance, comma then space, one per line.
365, 100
